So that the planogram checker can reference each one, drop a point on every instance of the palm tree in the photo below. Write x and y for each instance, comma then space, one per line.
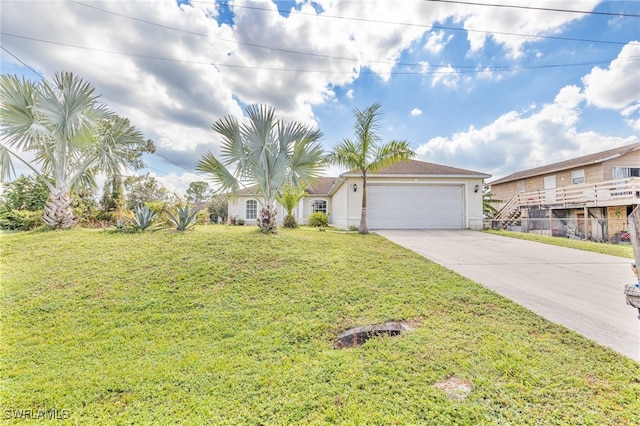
71, 135
289, 200
366, 155
266, 153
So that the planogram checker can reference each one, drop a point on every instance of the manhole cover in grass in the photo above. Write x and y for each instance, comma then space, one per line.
455, 387
359, 335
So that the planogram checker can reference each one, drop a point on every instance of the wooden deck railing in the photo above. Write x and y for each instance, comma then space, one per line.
609, 193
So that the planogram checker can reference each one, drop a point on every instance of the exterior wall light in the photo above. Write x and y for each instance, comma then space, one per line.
477, 188
355, 187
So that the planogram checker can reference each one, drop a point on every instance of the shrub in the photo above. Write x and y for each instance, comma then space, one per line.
318, 219
203, 217
290, 221
20, 220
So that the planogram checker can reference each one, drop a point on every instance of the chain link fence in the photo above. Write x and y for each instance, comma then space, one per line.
614, 231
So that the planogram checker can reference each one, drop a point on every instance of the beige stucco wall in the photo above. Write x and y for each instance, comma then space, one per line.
301, 212
305, 207
347, 204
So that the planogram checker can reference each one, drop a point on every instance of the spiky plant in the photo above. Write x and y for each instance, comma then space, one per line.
182, 217
142, 218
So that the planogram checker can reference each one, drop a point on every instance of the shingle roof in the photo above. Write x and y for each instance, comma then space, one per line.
415, 167
598, 157
319, 187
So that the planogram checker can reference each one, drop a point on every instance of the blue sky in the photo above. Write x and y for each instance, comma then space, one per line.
481, 87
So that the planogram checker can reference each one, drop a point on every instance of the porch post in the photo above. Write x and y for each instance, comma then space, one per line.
586, 222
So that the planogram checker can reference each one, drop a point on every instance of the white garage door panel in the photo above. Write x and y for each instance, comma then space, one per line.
415, 207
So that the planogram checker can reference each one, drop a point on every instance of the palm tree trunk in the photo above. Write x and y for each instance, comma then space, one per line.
58, 213
267, 219
364, 226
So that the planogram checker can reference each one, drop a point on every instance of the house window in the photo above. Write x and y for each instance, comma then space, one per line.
251, 210
577, 177
550, 182
625, 172
319, 206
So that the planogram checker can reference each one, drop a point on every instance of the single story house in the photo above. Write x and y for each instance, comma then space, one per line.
586, 197
407, 195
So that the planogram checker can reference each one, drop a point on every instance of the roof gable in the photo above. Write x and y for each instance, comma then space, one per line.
598, 157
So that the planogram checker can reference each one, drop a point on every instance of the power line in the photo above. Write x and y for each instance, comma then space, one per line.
459, 68
546, 9
406, 24
174, 163
22, 62
296, 52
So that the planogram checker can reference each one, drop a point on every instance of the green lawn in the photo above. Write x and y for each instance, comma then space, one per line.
620, 250
222, 325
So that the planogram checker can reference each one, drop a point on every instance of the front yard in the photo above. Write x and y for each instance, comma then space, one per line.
222, 325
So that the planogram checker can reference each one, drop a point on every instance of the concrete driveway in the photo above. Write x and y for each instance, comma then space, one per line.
581, 290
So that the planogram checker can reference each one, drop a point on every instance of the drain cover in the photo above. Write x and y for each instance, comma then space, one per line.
358, 335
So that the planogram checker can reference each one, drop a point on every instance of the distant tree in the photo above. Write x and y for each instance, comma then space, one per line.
25, 193
143, 189
366, 155
266, 152
488, 201
113, 194
198, 192
71, 134
219, 206
113, 190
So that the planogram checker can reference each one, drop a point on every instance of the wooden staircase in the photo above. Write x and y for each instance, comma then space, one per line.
509, 215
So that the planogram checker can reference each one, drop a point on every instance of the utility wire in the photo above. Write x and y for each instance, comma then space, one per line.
22, 62
174, 163
291, 51
459, 68
546, 9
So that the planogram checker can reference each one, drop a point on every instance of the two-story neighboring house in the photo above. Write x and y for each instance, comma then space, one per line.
588, 197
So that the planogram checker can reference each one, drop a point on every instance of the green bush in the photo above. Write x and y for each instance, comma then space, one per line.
202, 217
290, 221
318, 219
20, 220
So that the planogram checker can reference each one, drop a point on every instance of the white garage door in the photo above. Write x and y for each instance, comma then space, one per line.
415, 207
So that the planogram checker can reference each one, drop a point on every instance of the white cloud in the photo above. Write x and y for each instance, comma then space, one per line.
415, 112
213, 70
437, 42
618, 86
446, 76
178, 184
503, 22
517, 141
